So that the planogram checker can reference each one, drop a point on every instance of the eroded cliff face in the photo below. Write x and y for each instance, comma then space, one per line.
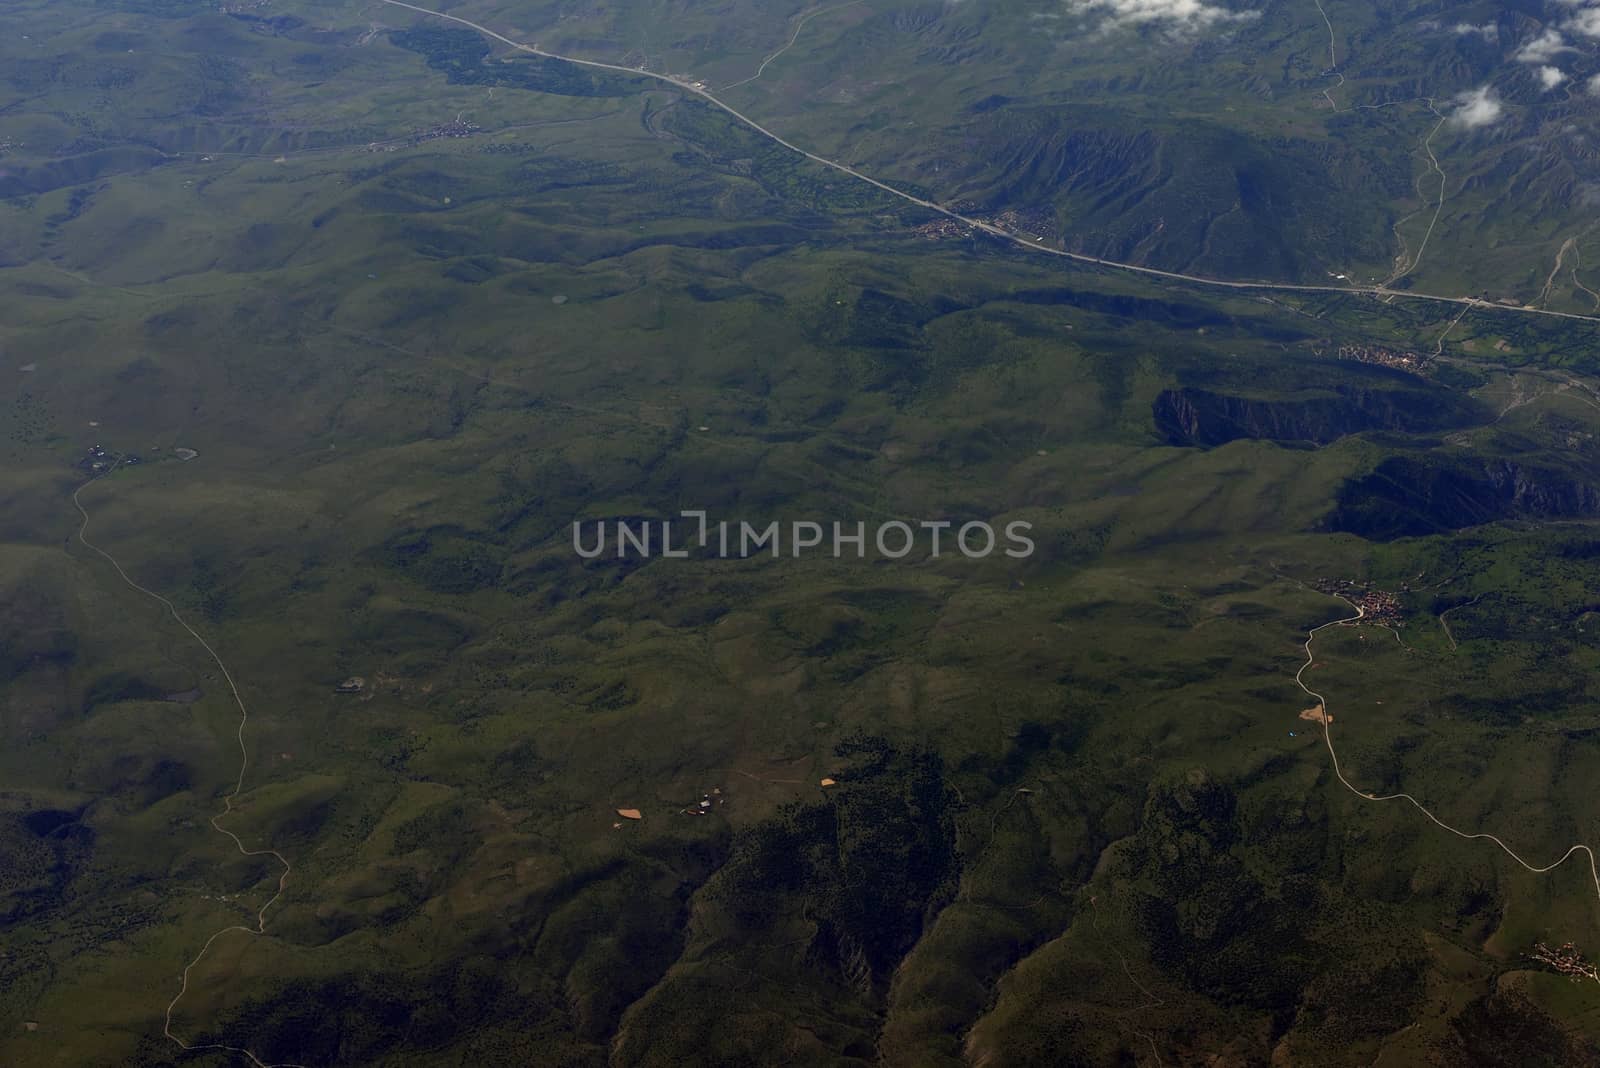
1407, 496
1190, 416
1414, 491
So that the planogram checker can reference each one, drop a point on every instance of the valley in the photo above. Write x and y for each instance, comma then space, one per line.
384, 299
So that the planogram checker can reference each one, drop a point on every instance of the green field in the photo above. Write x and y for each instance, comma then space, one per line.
412, 307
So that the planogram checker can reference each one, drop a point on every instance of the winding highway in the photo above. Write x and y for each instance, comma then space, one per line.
1327, 736
260, 927
979, 224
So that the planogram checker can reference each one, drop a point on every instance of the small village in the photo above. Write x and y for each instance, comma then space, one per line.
1566, 960
943, 227
1383, 357
1031, 225
457, 127
1377, 606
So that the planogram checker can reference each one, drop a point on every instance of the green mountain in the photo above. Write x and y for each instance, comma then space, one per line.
335, 335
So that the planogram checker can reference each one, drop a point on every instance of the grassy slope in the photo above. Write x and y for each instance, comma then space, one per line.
395, 423
1212, 150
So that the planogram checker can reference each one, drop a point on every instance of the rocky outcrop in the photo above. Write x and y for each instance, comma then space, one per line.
1191, 416
1408, 496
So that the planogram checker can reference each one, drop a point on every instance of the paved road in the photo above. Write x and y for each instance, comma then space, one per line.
1327, 736
979, 224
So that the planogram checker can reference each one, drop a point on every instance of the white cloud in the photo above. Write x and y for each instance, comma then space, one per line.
1586, 22
1543, 48
1550, 77
1487, 31
1476, 108
1593, 85
1180, 15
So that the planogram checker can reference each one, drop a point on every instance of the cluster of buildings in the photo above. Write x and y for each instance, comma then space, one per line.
96, 459
707, 802
1032, 224
1566, 961
943, 227
456, 127
1035, 225
1384, 357
1377, 606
